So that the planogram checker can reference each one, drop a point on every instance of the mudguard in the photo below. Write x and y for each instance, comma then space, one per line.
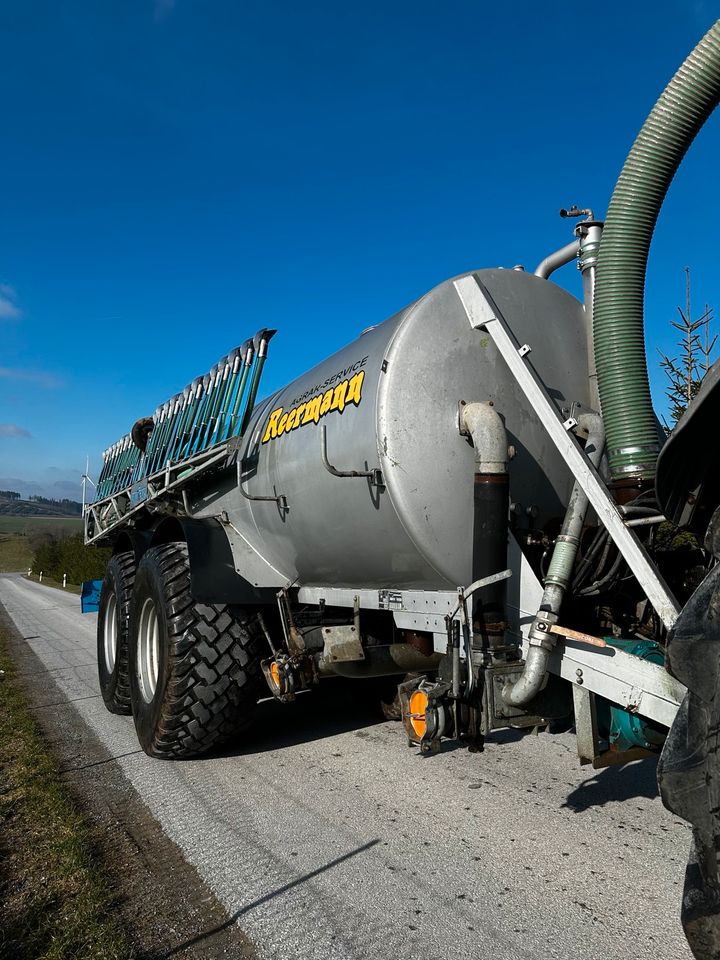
213, 576
688, 469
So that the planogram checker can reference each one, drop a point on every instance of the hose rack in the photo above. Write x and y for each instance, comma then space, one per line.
196, 430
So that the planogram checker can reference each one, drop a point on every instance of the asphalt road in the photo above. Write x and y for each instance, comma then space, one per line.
325, 837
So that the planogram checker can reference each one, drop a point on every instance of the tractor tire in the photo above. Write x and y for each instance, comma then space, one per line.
689, 768
112, 632
195, 668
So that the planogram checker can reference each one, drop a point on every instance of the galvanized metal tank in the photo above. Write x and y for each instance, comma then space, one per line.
389, 400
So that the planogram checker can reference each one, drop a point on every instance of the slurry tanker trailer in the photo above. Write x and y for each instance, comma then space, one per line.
472, 497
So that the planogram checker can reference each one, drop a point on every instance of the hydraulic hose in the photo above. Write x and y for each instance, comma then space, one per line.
541, 642
685, 104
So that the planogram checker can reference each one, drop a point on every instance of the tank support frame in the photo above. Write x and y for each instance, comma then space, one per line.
484, 314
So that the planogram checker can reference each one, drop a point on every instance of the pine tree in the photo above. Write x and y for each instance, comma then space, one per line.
685, 371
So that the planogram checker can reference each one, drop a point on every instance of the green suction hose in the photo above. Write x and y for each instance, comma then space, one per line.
683, 107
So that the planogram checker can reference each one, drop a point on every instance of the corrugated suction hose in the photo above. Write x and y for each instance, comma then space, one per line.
685, 104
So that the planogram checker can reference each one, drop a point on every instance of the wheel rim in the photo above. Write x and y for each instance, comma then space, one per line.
110, 633
148, 650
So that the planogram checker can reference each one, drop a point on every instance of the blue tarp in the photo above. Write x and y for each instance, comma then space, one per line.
90, 596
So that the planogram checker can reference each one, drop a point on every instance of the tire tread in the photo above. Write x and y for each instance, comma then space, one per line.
120, 572
213, 665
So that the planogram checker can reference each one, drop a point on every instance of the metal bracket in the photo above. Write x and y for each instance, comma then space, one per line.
484, 314
342, 643
120, 507
374, 476
588, 739
293, 638
465, 592
496, 714
586, 732
281, 500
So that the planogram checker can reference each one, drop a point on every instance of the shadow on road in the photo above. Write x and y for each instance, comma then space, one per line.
335, 706
614, 784
264, 899
507, 735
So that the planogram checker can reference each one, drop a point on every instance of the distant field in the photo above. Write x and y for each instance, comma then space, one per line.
15, 552
10, 524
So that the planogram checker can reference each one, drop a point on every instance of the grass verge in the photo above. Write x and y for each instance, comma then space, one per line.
49, 582
54, 902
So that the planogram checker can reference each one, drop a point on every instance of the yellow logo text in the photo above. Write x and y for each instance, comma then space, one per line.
336, 398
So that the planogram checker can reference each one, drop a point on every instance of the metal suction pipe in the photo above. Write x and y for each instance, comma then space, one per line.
224, 365
381, 661
247, 352
484, 426
260, 343
173, 422
164, 430
109, 459
589, 232
558, 259
541, 640
112, 469
682, 109
197, 416
133, 457
119, 476
233, 359
103, 471
116, 456
210, 397
181, 414
154, 437
233, 389
154, 460
196, 391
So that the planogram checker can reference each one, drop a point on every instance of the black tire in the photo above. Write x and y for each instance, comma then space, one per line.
112, 632
689, 768
199, 682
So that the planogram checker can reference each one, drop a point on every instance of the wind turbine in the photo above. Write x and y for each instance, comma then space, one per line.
85, 481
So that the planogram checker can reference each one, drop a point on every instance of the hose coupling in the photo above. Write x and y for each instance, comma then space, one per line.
589, 233
540, 632
563, 558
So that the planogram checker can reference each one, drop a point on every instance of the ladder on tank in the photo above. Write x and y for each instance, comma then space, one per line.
190, 433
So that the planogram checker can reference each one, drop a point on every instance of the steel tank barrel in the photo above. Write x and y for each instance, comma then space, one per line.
389, 401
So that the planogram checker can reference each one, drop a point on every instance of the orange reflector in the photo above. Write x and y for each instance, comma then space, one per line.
418, 705
275, 674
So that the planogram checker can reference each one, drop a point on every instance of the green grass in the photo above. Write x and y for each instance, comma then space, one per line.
48, 582
15, 553
55, 904
25, 525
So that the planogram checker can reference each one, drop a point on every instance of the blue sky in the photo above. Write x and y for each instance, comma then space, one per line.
177, 174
